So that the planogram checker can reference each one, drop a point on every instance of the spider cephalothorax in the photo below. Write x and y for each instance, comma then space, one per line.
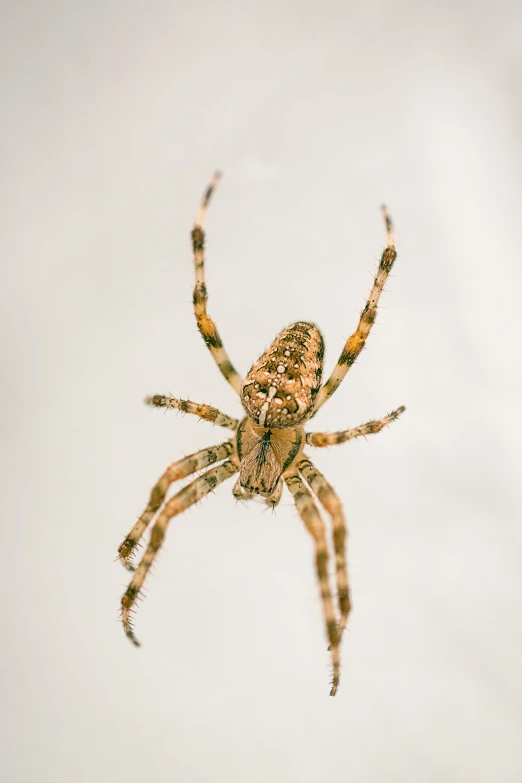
280, 393
264, 454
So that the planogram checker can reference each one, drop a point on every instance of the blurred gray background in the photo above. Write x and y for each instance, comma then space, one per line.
114, 116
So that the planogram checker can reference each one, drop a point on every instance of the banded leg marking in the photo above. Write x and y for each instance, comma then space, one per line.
357, 340
206, 325
186, 497
314, 524
178, 470
321, 439
206, 412
328, 497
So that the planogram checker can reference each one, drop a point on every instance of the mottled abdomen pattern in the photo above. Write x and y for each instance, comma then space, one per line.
280, 389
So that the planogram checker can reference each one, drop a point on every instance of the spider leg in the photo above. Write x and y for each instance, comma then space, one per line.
206, 412
321, 439
186, 497
328, 497
314, 524
356, 341
206, 325
178, 470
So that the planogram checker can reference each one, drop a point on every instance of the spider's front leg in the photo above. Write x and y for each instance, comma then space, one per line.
206, 325
314, 524
178, 470
185, 498
329, 499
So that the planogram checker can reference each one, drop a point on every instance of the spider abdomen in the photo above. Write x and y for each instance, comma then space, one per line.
280, 389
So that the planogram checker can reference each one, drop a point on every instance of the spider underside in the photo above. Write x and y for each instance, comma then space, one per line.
267, 449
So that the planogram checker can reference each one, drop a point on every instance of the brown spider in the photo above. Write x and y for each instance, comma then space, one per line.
282, 390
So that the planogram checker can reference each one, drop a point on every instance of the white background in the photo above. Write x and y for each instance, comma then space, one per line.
114, 115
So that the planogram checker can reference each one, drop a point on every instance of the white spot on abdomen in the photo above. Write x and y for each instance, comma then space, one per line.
262, 415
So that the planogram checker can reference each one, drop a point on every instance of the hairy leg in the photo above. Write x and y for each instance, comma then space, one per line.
186, 497
321, 439
181, 469
355, 343
314, 524
206, 325
206, 412
328, 497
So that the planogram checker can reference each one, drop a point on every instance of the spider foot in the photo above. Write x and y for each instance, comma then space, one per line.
128, 600
125, 552
336, 674
335, 648
129, 629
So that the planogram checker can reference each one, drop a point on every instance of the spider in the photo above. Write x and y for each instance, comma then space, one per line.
267, 449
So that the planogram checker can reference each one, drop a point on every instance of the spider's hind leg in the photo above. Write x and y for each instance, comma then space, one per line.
206, 325
357, 340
